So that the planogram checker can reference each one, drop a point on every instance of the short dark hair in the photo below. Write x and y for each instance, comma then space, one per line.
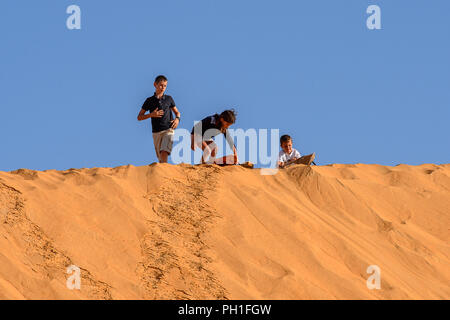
160, 78
285, 138
229, 116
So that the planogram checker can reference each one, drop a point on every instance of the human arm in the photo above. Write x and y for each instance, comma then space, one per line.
155, 114
236, 160
281, 160
229, 159
230, 142
176, 121
295, 157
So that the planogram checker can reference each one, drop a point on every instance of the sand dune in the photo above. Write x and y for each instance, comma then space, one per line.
207, 232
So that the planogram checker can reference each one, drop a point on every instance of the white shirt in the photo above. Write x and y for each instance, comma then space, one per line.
285, 157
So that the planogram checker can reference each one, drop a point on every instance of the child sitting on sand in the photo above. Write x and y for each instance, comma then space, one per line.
288, 154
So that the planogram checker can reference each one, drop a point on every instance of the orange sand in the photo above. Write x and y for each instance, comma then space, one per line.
207, 232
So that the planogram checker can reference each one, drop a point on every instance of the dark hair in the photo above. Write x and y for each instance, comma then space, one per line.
229, 116
285, 138
160, 78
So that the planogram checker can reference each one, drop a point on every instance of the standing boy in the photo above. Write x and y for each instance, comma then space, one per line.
160, 107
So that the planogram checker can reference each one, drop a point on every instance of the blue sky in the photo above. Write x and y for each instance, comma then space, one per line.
69, 98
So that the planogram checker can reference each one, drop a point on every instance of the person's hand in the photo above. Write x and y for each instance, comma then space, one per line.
174, 123
157, 113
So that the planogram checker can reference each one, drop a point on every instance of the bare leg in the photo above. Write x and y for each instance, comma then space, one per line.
229, 159
225, 160
209, 152
164, 155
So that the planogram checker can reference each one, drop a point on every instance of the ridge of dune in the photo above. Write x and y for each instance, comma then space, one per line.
207, 232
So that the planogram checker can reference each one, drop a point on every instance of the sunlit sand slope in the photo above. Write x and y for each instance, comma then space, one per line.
209, 232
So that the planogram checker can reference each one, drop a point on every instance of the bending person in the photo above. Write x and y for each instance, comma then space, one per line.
203, 132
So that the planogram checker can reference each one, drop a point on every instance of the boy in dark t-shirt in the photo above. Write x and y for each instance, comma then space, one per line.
160, 107
203, 132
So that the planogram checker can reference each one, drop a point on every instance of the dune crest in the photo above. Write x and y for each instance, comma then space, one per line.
207, 232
